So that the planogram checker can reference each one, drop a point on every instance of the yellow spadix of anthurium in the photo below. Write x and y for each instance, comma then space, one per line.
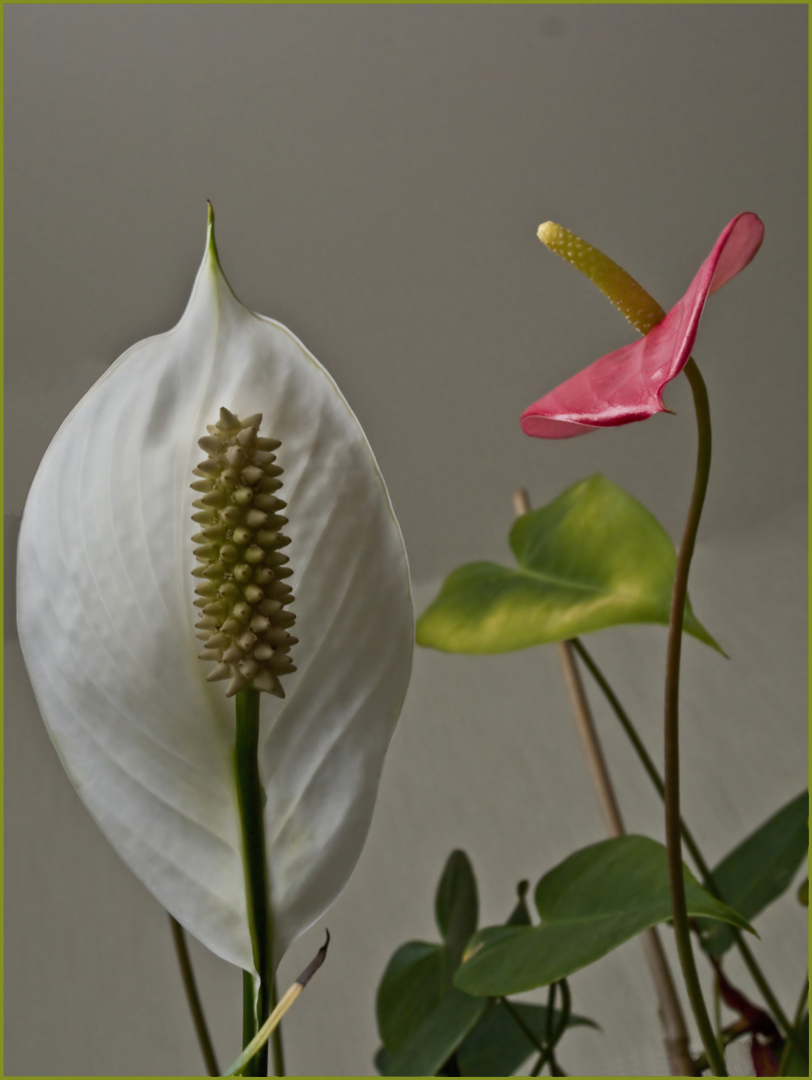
124, 605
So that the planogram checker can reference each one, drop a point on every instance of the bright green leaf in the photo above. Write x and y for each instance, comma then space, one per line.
592, 558
589, 904
430, 1046
456, 907
497, 1046
409, 992
760, 869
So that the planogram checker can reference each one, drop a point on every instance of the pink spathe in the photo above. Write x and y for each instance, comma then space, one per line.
627, 384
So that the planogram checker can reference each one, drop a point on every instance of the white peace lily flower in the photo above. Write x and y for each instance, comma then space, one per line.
107, 622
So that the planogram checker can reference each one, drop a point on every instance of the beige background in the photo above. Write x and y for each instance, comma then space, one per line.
379, 173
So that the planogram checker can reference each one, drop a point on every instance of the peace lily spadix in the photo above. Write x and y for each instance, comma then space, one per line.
108, 580
627, 384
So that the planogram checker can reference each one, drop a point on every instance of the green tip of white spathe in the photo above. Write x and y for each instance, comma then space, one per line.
211, 243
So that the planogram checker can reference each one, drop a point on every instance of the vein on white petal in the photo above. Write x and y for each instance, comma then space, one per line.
326, 624
305, 884
342, 401
294, 732
90, 732
77, 663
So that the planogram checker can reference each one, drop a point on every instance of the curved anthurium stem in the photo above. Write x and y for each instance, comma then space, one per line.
675, 1031
708, 879
672, 803
250, 799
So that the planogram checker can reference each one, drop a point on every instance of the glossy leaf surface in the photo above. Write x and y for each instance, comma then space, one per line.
106, 621
594, 557
627, 384
456, 907
760, 869
589, 904
409, 992
438, 1037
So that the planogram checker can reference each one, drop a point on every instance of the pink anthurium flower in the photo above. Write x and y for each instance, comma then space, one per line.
627, 384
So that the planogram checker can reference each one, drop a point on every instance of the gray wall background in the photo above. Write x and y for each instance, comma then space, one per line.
379, 173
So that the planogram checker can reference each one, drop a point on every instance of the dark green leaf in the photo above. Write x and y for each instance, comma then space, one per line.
456, 907
381, 1060
520, 916
592, 558
589, 904
798, 1061
409, 992
430, 1046
498, 1046
760, 869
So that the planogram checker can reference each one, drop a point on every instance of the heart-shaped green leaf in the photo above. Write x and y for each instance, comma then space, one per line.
592, 558
456, 907
433, 1043
498, 1046
589, 904
409, 992
755, 873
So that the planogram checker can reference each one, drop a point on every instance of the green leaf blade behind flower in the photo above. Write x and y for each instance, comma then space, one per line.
589, 904
106, 620
592, 558
409, 992
760, 869
456, 907
438, 1037
498, 1046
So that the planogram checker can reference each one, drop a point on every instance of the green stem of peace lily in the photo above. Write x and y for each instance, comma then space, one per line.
250, 798
276, 1038
673, 835
249, 1018
705, 872
193, 998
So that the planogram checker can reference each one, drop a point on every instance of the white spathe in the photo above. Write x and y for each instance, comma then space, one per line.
106, 621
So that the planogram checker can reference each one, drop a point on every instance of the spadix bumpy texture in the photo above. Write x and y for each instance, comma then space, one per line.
243, 593
626, 294
106, 618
